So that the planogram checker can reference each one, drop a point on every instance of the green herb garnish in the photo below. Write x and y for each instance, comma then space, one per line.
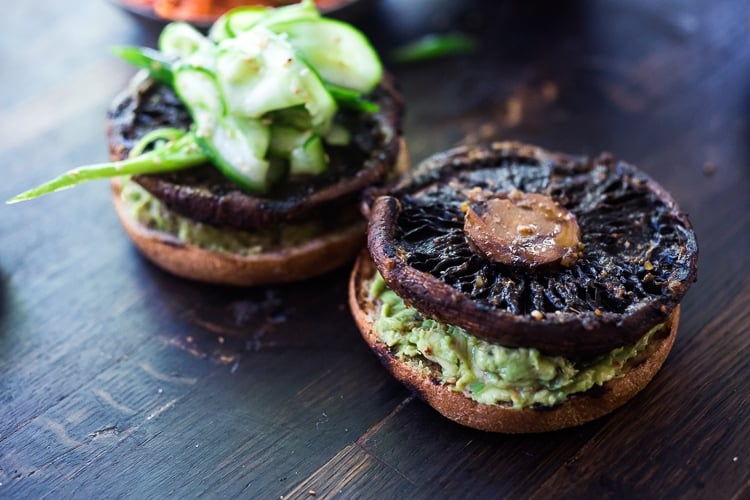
435, 46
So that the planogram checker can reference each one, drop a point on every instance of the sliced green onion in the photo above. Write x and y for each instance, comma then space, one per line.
160, 134
157, 64
434, 46
175, 155
351, 99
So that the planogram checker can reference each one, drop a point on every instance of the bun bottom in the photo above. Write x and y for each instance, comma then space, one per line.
576, 410
313, 258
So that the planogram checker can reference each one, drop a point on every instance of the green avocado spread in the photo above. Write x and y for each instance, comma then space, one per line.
490, 373
153, 214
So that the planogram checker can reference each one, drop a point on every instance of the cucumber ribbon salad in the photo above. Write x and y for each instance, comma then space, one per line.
262, 89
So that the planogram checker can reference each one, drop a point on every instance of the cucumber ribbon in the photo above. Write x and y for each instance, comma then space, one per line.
263, 89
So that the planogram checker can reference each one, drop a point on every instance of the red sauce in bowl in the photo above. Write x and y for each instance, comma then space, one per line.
206, 11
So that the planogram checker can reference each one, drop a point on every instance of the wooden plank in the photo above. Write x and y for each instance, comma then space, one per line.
119, 380
687, 428
353, 473
275, 427
448, 460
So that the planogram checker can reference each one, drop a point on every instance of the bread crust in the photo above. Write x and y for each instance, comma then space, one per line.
576, 410
313, 258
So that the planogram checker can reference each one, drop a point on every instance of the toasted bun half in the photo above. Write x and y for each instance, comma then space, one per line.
576, 410
313, 258
316, 257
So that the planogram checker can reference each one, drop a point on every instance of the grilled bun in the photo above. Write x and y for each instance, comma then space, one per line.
575, 410
312, 258
317, 256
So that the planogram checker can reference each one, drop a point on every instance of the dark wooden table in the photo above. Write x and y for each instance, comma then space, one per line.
117, 379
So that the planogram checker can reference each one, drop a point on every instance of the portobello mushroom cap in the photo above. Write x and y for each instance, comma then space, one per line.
204, 195
638, 260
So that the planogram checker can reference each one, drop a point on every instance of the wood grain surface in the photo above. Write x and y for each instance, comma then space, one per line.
118, 380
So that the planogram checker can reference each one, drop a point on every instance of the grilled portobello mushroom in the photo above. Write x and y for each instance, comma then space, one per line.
636, 260
204, 195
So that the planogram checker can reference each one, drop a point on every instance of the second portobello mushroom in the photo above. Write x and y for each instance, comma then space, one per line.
505, 280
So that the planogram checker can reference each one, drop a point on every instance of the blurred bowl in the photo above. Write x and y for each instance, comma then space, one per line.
343, 9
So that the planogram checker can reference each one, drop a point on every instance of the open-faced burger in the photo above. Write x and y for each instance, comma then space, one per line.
518, 290
239, 157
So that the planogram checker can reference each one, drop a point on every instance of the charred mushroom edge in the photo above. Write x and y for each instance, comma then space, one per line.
569, 334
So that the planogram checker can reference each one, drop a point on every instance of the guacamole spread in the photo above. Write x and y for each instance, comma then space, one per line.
490, 373
150, 212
